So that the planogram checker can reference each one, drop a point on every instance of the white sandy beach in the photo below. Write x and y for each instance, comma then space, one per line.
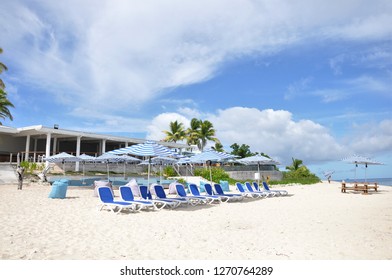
314, 222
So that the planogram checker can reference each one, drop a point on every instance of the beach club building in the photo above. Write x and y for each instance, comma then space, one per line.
33, 143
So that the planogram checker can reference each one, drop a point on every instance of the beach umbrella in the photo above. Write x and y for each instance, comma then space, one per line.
129, 159
85, 158
257, 160
328, 174
209, 156
161, 161
109, 158
361, 160
148, 149
63, 158
185, 161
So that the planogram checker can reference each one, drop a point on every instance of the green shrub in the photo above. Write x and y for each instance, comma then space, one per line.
300, 176
169, 171
217, 174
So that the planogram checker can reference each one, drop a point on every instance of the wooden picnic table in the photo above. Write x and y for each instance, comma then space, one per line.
363, 187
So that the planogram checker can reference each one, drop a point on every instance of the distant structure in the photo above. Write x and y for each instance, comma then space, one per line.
33, 143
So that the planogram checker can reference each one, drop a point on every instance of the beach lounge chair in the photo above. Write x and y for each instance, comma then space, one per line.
210, 191
193, 200
265, 193
245, 193
234, 196
159, 203
160, 193
105, 194
127, 195
210, 198
280, 192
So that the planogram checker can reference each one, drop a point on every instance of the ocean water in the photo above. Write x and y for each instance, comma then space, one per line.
380, 181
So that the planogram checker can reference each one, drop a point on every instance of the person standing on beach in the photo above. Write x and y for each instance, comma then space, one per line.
20, 171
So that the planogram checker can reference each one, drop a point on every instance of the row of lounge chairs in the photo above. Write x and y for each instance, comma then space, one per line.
213, 195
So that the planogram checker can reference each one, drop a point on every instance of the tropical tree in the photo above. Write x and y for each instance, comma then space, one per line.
218, 147
192, 133
2, 68
206, 133
4, 106
4, 102
176, 132
241, 151
296, 164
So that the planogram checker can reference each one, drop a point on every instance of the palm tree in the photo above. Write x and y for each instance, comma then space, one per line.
2, 68
296, 164
218, 147
176, 132
192, 133
206, 133
4, 102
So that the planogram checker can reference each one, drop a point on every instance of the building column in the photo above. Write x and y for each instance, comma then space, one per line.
47, 150
35, 149
78, 140
103, 146
54, 149
27, 150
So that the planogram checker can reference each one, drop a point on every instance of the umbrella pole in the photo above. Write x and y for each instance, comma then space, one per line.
148, 172
210, 174
160, 174
365, 173
107, 168
258, 171
83, 183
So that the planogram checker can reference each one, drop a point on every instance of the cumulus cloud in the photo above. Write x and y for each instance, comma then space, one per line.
161, 122
270, 131
372, 138
138, 50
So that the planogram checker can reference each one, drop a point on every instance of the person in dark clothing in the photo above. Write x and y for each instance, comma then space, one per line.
20, 171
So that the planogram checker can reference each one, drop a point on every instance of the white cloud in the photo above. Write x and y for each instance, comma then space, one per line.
269, 131
372, 138
276, 133
161, 122
137, 50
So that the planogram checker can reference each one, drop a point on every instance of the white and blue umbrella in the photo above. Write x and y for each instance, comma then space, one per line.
185, 161
259, 160
85, 158
147, 149
113, 158
209, 156
63, 158
357, 159
129, 159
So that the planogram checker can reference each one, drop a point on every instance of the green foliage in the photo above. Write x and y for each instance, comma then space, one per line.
176, 132
181, 181
296, 164
198, 134
30, 167
169, 171
217, 174
218, 147
301, 175
241, 151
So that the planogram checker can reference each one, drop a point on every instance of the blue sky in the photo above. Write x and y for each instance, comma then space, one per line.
310, 79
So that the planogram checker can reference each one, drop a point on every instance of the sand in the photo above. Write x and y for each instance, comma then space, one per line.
313, 222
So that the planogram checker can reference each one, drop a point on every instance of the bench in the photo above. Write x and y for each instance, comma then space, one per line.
364, 187
356, 187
